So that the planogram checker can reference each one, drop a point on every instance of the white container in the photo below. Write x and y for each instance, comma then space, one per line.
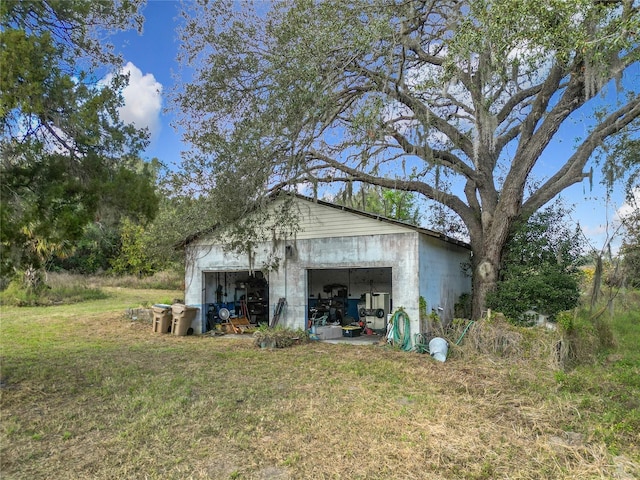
329, 332
438, 348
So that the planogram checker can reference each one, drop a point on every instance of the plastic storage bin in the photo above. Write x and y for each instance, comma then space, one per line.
162, 318
182, 318
351, 331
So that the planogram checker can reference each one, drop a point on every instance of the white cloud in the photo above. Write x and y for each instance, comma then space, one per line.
142, 100
627, 208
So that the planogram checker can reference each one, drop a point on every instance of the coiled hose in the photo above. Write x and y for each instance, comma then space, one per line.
399, 332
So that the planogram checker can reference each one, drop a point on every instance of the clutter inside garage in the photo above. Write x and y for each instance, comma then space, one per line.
349, 302
235, 302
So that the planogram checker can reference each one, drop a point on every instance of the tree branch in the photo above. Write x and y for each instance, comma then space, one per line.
428, 191
441, 157
425, 115
572, 171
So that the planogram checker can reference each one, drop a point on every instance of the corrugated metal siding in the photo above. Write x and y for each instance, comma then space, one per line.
318, 221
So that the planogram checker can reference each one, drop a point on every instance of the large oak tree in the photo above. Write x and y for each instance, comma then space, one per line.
456, 100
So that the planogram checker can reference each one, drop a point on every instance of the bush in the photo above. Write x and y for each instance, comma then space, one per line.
539, 267
549, 291
18, 295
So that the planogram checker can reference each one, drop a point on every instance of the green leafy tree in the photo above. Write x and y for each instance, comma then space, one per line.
133, 196
167, 230
404, 95
390, 203
133, 257
65, 154
93, 252
539, 268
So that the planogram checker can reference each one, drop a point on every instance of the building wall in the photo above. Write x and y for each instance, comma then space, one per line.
318, 221
333, 238
396, 251
442, 277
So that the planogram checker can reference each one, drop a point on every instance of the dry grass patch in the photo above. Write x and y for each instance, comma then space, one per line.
110, 399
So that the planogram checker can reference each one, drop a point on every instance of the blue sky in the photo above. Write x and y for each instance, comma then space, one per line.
151, 60
152, 56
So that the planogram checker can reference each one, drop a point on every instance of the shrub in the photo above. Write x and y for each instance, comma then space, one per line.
539, 267
18, 295
582, 337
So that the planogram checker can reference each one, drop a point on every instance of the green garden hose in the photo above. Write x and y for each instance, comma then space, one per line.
400, 334
420, 343
464, 332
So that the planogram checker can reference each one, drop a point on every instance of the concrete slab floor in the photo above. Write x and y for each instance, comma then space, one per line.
361, 340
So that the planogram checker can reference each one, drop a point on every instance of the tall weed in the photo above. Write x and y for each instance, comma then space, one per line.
59, 289
66, 288
168, 280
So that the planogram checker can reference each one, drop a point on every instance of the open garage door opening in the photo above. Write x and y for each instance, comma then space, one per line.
348, 296
235, 295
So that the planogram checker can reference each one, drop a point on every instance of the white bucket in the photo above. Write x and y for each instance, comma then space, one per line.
438, 348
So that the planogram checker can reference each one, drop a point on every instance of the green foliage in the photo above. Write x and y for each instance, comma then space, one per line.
19, 294
539, 267
422, 307
66, 156
545, 290
131, 192
93, 251
133, 257
175, 217
462, 308
583, 337
565, 322
390, 203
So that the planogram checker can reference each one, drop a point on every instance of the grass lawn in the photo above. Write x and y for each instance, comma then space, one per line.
88, 394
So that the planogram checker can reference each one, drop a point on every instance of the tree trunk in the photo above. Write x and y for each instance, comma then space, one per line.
487, 244
485, 279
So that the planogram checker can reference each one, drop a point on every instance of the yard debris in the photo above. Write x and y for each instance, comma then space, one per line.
136, 314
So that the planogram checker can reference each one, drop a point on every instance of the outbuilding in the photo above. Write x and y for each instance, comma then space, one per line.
342, 266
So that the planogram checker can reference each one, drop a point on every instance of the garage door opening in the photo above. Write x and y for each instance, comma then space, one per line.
350, 295
235, 295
